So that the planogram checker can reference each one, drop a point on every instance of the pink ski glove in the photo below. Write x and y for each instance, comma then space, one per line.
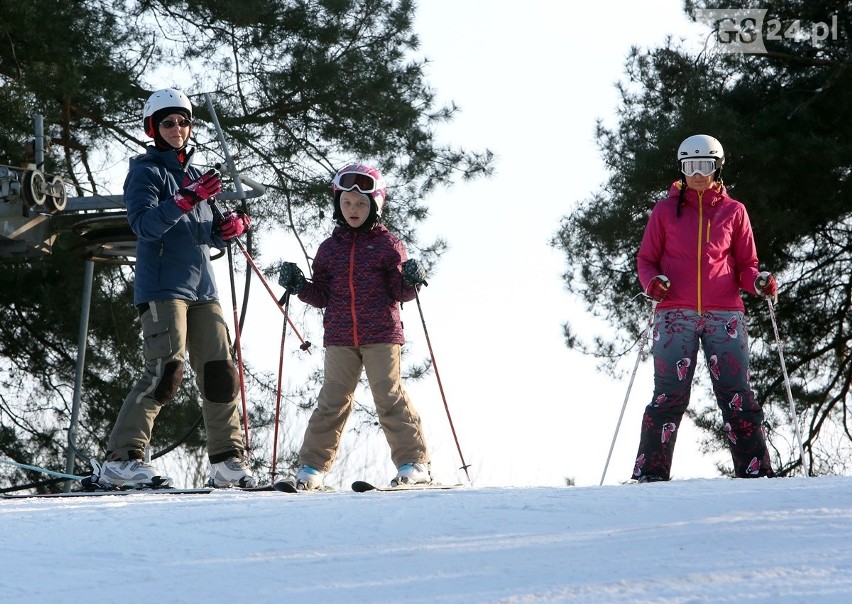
658, 287
207, 186
234, 224
766, 286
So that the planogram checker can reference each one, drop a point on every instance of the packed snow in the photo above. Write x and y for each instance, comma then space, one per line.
697, 540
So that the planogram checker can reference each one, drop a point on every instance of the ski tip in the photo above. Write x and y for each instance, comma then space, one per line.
361, 486
285, 486
289, 486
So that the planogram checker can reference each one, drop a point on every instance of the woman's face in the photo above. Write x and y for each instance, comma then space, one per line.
699, 183
177, 135
355, 207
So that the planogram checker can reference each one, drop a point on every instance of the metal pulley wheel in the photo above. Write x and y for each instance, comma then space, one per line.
34, 188
57, 197
44, 190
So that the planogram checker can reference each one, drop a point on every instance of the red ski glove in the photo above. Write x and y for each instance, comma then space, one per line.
658, 287
207, 186
234, 224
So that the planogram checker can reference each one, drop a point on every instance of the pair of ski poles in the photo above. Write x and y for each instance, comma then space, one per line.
285, 302
647, 336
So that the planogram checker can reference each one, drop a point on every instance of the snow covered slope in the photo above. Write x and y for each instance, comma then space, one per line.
702, 540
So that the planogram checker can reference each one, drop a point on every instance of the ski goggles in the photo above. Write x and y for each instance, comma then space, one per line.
364, 183
691, 167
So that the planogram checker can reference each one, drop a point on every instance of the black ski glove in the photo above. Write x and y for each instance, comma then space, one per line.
290, 277
412, 273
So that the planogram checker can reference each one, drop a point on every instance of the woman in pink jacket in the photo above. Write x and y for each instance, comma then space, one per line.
697, 253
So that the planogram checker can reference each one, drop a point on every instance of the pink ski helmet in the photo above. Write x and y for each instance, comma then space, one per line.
362, 178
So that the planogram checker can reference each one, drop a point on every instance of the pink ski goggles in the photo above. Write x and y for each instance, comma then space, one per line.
348, 181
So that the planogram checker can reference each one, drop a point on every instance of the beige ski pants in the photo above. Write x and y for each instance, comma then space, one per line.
170, 330
397, 416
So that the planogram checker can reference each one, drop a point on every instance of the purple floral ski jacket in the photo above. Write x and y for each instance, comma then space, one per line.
357, 279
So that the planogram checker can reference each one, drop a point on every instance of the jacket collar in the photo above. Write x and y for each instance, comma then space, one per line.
713, 195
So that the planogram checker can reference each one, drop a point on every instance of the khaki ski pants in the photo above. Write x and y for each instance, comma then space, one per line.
170, 330
397, 416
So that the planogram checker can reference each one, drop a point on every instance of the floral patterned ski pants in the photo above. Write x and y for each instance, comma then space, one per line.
677, 336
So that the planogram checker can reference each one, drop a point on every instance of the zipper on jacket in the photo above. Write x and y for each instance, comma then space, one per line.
712, 205
352, 292
700, 224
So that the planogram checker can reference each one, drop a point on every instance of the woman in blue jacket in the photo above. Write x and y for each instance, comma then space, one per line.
175, 292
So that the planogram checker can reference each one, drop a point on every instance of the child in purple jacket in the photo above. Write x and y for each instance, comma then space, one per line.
360, 275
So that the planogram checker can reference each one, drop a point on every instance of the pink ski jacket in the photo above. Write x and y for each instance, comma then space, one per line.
358, 281
708, 252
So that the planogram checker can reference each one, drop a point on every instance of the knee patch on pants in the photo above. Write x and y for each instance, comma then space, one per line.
220, 381
169, 383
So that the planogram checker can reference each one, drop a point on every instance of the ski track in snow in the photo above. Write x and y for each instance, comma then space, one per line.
781, 540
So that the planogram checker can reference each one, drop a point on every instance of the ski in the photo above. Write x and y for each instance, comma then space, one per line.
361, 486
140, 490
134, 491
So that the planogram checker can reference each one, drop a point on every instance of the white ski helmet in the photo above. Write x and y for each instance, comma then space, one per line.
169, 99
700, 147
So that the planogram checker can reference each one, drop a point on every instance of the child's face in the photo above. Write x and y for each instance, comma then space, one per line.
355, 207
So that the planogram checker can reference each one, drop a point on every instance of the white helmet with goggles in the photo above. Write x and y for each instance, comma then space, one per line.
700, 154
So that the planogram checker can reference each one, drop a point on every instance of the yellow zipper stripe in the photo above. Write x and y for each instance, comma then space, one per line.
700, 226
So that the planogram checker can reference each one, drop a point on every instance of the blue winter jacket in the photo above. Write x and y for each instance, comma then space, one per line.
173, 247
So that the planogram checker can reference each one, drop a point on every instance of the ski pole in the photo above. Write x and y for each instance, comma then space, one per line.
41, 470
793, 417
286, 305
232, 168
237, 342
464, 466
649, 330
306, 345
